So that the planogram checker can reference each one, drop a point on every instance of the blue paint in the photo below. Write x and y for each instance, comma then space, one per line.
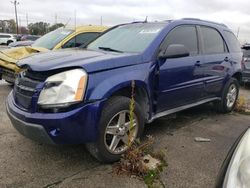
171, 83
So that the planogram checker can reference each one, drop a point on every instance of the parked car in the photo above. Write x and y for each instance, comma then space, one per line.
246, 64
235, 169
68, 37
83, 96
30, 37
21, 43
6, 38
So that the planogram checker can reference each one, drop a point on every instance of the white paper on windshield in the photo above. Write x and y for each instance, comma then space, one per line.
65, 32
149, 31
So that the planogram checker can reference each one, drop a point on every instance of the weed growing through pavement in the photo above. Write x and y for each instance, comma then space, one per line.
132, 162
131, 113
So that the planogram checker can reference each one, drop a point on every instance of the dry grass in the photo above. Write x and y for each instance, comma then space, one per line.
131, 163
242, 105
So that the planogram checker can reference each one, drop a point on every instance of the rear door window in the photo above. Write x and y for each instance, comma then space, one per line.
185, 35
4, 36
213, 43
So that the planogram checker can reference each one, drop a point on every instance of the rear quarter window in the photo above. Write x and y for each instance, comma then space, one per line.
232, 41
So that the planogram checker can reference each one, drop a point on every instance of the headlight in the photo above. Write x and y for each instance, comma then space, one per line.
63, 89
238, 172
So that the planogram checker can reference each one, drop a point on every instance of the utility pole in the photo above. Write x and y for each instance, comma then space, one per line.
101, 20
15, 4
20, 25
27, 22
27, 19
56, 18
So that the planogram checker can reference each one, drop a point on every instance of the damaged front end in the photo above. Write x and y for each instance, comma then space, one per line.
8, 59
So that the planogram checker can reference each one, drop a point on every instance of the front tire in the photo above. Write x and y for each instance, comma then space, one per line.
229, 96
8, 42
115, 130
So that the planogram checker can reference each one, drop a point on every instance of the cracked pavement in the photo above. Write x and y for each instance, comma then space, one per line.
24, 163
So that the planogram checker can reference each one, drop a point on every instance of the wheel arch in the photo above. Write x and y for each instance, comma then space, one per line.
141, 94
237, 76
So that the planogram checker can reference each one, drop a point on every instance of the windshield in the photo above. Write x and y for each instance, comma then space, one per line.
51, 39
132, 38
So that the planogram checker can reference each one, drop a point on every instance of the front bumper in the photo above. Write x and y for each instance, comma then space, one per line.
246, 76
8, 75
29, 130
73, 127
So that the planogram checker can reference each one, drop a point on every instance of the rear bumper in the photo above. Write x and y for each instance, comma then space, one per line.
246, 76
73, 127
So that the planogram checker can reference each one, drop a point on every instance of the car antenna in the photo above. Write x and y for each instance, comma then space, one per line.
146, 19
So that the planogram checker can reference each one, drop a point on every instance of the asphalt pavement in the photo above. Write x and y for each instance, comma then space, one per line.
24, 163
2, 47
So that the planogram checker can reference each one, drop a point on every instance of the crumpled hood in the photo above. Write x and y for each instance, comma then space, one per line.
12, 55
91, 61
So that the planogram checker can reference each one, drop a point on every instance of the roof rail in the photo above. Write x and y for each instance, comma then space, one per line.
197, 19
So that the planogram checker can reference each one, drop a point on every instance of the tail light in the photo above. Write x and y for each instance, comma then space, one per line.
243, 62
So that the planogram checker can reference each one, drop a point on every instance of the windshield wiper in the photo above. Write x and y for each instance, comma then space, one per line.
109, 49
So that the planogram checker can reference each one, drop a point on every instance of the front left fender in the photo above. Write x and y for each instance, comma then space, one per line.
102, 85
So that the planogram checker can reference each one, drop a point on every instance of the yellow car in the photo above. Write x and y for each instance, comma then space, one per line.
65, 37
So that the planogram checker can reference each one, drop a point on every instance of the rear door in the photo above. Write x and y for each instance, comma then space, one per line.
217, 60
180, 80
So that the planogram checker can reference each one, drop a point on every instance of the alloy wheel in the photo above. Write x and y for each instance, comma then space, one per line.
120, 132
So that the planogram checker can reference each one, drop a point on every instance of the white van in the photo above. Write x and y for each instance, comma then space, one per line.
6, 38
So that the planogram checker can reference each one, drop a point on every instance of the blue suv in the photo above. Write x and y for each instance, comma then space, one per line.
83, 95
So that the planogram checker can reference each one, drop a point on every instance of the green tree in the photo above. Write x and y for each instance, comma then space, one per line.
12, 26
56, 26
38, 28
7, 26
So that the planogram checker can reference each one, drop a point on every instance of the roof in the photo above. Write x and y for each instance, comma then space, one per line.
205, 21
185, 19
7, 34
94, 28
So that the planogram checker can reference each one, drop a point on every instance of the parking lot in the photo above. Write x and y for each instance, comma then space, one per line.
2, 47
24, 163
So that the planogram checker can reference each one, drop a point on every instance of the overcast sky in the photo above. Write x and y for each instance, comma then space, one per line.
235, 14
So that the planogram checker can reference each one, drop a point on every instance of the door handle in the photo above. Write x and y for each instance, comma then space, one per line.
198, 63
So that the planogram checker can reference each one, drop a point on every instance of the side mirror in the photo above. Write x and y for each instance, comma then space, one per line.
174, 51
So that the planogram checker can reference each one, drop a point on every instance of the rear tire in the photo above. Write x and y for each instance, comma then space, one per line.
229, 97
114, 109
